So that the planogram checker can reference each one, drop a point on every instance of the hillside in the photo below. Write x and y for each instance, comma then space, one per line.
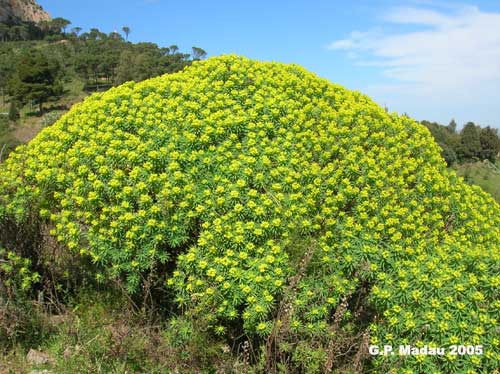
45, 70
22, 10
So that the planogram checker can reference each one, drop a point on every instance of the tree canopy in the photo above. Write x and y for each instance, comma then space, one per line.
35, 78
472, 143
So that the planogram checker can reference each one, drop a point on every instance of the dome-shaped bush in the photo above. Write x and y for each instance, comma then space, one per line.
289, 204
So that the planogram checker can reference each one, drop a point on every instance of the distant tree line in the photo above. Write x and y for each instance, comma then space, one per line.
44, 30
472, 143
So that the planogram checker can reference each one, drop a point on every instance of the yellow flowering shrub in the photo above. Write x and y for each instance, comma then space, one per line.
287, 203
16, 275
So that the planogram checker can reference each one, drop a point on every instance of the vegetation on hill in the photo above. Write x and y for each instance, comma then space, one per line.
473, 152
49, 67
279, 213
95, 57
473, 143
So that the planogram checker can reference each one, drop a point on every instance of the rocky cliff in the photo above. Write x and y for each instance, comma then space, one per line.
22, 10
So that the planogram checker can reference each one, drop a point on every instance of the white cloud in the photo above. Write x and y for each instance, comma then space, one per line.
418, 16
449, 53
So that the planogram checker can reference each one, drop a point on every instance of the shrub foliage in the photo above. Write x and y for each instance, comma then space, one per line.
288, 207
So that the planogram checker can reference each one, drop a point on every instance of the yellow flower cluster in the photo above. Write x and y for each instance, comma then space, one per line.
244, 167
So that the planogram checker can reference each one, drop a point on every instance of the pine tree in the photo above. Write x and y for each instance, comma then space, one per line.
490, 144
452, 126
470, 145
35, 78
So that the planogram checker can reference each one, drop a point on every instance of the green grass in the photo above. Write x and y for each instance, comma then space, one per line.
484, 175
101, 332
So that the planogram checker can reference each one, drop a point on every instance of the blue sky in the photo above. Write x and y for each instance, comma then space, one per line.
432, 59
